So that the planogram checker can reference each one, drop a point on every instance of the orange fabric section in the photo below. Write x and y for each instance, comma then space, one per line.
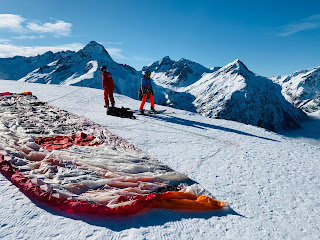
183, 200
26, 93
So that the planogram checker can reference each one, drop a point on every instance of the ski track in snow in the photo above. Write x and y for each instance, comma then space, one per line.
270, 181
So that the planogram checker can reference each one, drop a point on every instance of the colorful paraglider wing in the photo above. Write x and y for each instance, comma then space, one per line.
88, 169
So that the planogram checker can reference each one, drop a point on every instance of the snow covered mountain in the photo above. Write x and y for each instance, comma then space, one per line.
235, 93
17, 67
80, 68
232, 92
302, 88
175, 74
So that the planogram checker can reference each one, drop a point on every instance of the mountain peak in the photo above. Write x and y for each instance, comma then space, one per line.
95, 50
237, 66
94, 46
239, 63
166, 60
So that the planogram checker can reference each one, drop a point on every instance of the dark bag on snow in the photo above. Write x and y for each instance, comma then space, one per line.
119, 112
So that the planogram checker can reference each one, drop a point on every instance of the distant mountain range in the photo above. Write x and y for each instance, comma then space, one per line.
231, 92
302, 89
80, 68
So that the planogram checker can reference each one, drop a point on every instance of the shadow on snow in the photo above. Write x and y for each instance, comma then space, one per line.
145, 218
201, 125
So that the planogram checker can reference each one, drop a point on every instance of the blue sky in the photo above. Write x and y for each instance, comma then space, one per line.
270, 37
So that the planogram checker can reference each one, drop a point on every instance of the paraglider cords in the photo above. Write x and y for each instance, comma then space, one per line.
69, 93
227, 144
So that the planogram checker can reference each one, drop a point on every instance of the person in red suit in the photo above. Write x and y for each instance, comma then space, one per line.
108, 86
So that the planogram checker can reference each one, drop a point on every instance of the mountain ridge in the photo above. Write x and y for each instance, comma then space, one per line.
229, 92
302, 88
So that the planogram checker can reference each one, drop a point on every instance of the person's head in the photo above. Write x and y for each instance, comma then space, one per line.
103, 68
147, 74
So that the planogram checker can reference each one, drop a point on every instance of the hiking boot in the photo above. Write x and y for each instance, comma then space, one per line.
141, 112
106, 106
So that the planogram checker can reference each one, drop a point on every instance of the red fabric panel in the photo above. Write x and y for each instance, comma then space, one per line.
169, 200
63, 142
5, 93
9, 93
71, 205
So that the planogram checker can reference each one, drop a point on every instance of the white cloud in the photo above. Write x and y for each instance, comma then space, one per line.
60, 28
4, 40
18, 24
114, 43
116, 53
313, 17
308, 23
11, 22
28, 37
9, 50
294, 28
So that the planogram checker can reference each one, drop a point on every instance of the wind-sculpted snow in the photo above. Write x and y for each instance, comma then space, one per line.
302, 89
76, 165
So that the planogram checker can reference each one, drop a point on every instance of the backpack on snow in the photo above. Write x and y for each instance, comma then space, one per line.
119, 112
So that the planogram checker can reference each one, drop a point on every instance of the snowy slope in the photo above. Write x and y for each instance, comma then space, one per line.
302, 88
271, 182
232, 92
235, 93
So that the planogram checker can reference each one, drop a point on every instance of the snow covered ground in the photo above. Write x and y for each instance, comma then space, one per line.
271, 182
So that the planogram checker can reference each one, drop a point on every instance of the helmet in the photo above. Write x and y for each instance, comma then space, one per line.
147, 73
103, 68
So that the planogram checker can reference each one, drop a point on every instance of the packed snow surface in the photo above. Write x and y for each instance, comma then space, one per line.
271, 182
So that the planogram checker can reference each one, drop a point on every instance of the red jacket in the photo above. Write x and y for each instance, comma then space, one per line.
107, 80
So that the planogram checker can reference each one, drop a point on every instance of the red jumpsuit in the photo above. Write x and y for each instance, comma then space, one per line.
108, 86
